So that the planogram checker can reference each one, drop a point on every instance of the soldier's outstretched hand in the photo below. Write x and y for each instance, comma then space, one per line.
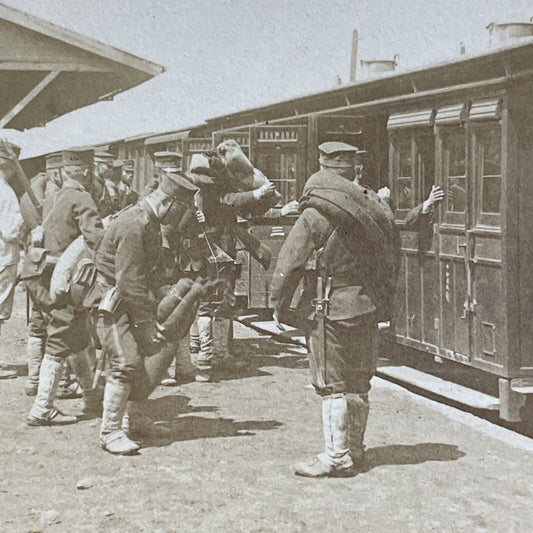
435, 196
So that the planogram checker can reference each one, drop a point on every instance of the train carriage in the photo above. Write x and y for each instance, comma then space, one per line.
465, 292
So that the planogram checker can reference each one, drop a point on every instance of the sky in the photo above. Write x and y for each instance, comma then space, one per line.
223, 56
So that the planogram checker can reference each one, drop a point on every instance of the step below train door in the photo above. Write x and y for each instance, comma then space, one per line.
280, 153
412, 174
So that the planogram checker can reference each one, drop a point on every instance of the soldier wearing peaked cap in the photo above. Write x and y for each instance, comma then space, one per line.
128, 195
127, 260
164, 162
74, 214
348, 236
107, 174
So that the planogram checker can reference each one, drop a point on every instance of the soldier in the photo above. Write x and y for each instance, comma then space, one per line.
108, 200
126, 260
164, 161
11, 228
128, 195
350, 236
74, 213
45, 186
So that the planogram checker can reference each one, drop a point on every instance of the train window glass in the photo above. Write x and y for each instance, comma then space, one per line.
487, 149
489, 142
404, 194
426, 164
280, 168
455, 171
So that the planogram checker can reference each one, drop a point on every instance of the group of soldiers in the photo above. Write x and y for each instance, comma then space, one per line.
152, 269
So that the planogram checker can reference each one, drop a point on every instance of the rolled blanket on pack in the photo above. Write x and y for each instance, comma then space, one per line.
176, 313
65, 268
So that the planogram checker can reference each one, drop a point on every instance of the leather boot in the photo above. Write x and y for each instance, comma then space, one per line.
205, 355
141, 425
358, 414
112, 437
92, 405
194, 338
184, 370
35, 353
68, 388
335, 461
43, 412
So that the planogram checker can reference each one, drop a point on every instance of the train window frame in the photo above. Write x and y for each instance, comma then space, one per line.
482, 218
416, 137
455, 218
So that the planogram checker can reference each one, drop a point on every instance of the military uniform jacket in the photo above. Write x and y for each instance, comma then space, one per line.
356, 242
127, 256
312, 230
74, 214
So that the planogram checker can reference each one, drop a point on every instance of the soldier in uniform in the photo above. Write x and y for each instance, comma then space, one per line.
127, 261
164, 161
128, 195
349, 235
11, 228
108, 201
45, 187
74, 213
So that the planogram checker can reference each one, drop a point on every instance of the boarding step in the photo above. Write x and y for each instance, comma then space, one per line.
268, 327
439, 387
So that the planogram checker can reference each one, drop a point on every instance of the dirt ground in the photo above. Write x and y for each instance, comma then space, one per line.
227, 463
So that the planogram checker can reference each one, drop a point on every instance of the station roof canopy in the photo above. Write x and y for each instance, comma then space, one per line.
47, 71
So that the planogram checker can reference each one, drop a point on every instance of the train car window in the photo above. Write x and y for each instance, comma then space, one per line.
425, 147
487, 149
405, 189
454, 168
281, 169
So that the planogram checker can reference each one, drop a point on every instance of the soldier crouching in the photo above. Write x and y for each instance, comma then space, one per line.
351, 236
125, 260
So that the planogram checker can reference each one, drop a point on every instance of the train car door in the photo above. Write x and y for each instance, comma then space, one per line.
471, 294
279, 152
484, 237
412, 173
454, 250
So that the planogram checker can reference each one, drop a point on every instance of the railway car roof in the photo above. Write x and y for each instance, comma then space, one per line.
495, 65
48, 71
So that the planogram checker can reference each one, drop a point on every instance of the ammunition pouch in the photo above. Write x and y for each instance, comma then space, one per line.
37, 262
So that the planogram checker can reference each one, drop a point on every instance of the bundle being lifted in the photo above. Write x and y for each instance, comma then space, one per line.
229, 160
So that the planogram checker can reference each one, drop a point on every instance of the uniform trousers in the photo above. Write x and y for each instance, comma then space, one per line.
351, 348
8, 276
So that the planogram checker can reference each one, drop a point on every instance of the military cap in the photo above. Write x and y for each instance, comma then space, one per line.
118, 163
77, 157
103, 157
128, 164
176, 186
167, 159
53, 160
8, 149
336, 154
334, 147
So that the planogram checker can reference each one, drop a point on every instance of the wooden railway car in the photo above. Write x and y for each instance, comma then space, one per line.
465, 291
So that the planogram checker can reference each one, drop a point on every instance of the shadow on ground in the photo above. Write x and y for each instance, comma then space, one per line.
410, 454
251, 356
176, 416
